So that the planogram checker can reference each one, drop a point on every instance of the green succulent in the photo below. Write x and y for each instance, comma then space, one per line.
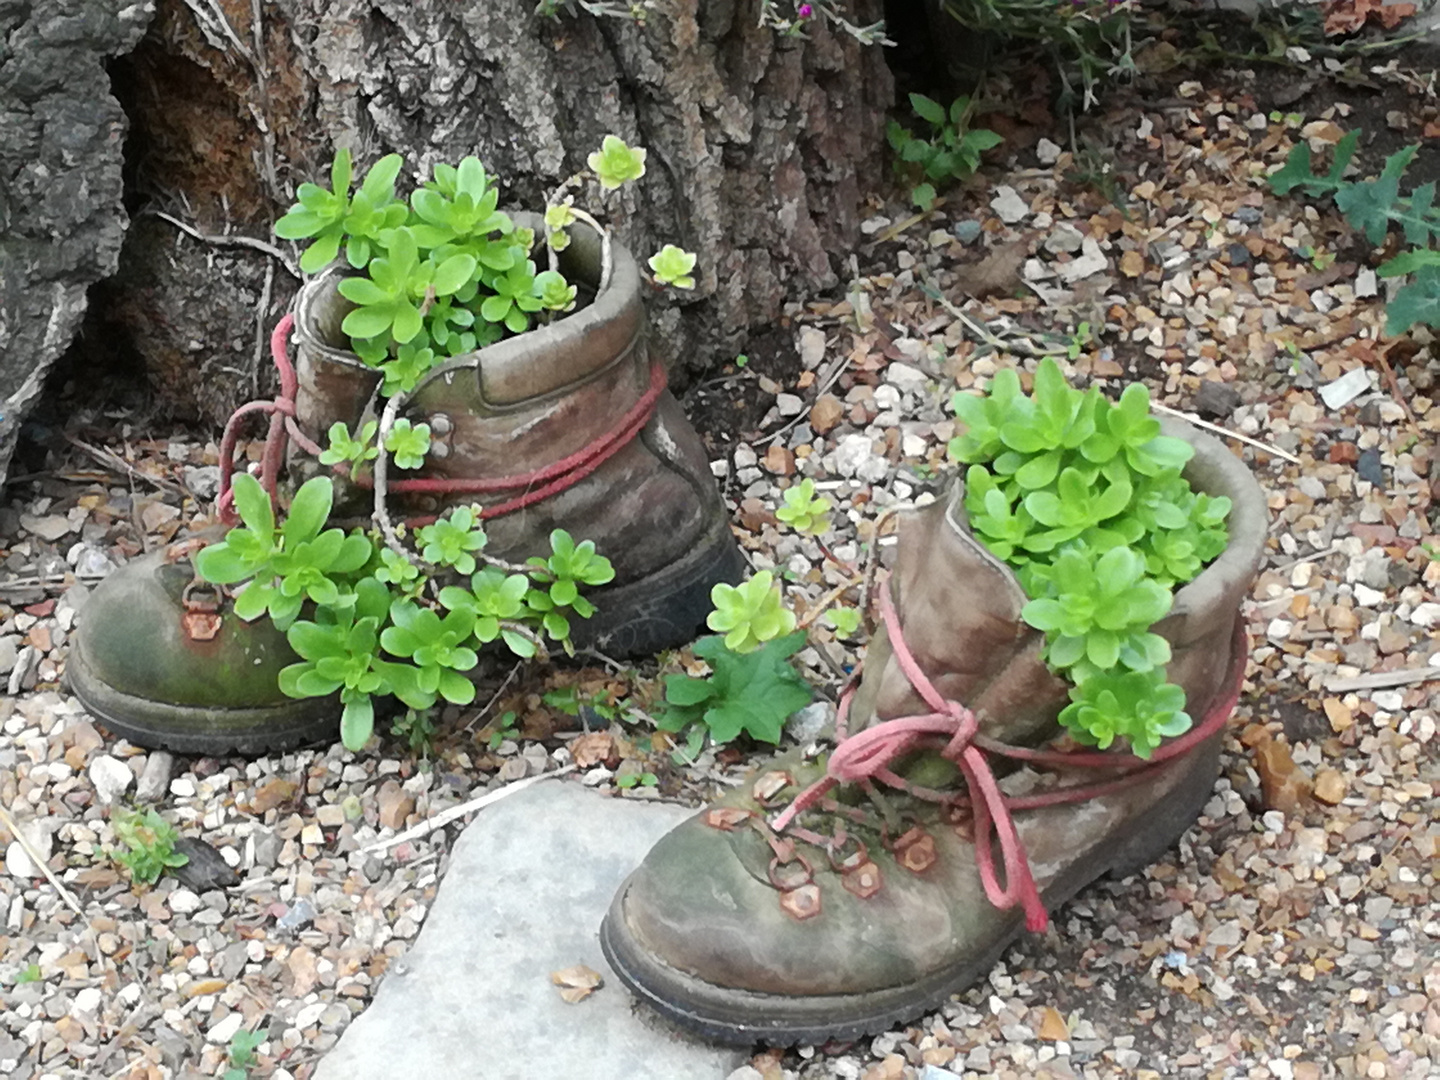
351, 451
803, 510
615, 163
1138, 706
451, 540
750, 614
300, 561
408, 443
672, 265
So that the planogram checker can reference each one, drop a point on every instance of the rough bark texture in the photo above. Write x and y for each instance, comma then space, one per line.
61, 218
761, 148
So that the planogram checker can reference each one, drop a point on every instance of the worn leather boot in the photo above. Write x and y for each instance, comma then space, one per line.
566, 426
828, 899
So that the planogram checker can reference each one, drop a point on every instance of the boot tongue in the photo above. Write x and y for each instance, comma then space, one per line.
958, 609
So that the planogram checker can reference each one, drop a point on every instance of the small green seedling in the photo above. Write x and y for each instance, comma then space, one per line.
950, 152
804, 511
241, 1056
149, 845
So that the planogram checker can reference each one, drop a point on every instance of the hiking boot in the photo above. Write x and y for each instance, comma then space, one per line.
829, 899
566, 426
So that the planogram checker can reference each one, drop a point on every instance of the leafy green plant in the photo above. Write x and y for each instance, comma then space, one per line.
30, 973
750, 614
615, 163
638, 779
149, 845
417, 729
803, 510
951, 151
1084, 497
672, 266
241, 1053
1370, 206
382, 626
446, 271
500, 729
845, 620
749, 693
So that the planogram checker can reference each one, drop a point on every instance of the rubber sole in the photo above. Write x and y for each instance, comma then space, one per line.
744, 1017
666, 609
186, 729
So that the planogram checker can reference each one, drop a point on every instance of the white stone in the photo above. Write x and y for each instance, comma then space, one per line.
744, 456
812, 346
1091, 261
1389, 700
789, 404
1368, 597
1065, 237
182, 901
1365, 283
111, 777
18, 862
853, 452
1010, 207
1426, 614
182, 787
906, 377
1047, 152
88, 999
1340, 392
225, 1030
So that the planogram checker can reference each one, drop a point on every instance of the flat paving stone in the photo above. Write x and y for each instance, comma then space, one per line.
529, 881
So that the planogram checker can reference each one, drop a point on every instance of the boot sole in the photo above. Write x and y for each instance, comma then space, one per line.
189, 729
746, 1017
665, 609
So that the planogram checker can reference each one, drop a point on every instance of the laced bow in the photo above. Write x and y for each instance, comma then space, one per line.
952, 729
528, 488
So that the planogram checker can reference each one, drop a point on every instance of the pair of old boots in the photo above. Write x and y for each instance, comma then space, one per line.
568, 426
830, 896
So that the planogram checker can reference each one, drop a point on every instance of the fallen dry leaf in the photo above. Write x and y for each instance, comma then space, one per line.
1052, 1026
592, 749
1132, 264
996, 274
577, 983
1350, 16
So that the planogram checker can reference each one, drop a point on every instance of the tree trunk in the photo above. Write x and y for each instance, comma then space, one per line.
761, 147
61, 218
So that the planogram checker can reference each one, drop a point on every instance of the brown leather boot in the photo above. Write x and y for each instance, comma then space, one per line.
832, 898
566, 426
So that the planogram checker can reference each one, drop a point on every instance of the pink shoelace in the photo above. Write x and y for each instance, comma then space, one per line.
529, 487
951, 729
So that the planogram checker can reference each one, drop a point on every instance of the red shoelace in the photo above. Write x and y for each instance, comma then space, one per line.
951, 729
528, 487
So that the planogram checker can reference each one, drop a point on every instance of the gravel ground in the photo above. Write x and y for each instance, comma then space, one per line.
1295, 933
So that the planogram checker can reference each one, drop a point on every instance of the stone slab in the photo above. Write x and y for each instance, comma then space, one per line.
529, 881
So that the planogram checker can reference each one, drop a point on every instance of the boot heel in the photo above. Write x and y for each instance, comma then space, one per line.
1163, 828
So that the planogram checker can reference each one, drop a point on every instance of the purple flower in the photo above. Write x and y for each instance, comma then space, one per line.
805, 11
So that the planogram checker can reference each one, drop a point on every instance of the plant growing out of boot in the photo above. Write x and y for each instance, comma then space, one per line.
387, 621
1084, 499
446, 272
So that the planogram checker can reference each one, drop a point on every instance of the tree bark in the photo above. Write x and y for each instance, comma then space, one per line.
761, 148
61, 218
